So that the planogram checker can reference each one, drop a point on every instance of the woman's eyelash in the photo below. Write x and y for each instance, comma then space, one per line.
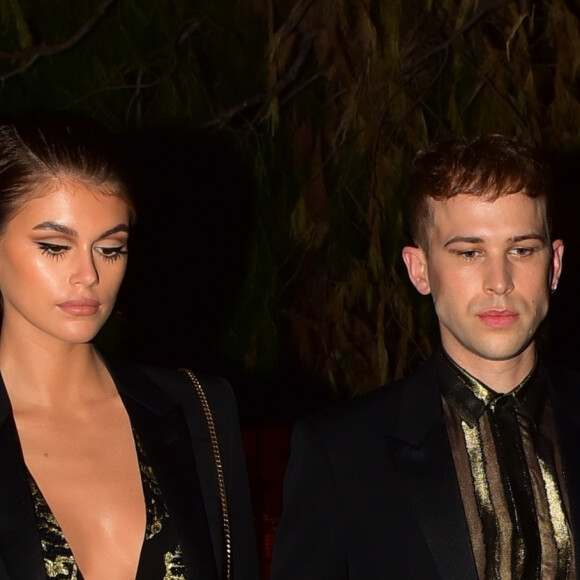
55, 251
110, 254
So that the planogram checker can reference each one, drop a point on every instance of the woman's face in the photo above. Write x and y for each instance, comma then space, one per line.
62, 259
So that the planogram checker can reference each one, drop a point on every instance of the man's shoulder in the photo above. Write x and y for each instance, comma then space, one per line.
564, 383
379, 407
565, 375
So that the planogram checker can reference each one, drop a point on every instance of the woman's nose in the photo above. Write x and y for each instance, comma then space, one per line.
85, 271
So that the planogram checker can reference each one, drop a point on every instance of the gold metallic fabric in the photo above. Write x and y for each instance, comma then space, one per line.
508, 466
60, 563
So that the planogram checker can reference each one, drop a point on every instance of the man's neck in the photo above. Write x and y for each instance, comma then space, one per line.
502, 376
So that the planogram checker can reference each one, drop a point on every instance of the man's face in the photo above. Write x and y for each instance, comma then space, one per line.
489, 270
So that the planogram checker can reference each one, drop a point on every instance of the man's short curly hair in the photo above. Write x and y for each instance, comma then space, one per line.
488, 167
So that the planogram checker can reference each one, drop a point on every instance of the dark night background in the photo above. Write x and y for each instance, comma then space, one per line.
269, 143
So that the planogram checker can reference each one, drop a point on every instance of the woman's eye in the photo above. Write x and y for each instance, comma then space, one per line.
52, 250
111, 253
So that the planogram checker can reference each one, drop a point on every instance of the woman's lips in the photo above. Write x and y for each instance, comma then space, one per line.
498, 318
80, 307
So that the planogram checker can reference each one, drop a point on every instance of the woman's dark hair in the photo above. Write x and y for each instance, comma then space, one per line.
38, 149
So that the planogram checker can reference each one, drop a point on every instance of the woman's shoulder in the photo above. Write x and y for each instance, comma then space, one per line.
179, 386
179, 382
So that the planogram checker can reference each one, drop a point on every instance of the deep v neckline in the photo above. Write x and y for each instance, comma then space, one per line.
160, 547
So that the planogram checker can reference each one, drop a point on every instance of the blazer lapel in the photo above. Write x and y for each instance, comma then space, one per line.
19, 540
420, 451
162, 429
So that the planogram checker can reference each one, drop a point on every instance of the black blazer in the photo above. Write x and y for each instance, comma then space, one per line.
371, 491
164, 410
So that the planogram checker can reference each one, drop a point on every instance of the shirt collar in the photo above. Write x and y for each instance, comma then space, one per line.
470, 397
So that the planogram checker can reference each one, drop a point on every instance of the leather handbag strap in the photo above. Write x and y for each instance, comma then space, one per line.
219, 471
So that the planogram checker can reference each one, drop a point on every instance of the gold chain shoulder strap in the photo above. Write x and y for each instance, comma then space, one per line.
219, 472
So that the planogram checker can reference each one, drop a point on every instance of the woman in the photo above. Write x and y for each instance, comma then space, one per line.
106, 470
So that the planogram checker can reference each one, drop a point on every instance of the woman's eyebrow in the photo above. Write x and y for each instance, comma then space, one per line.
62, 229
56, 227
118, 228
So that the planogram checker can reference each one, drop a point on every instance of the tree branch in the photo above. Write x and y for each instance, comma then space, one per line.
33, 53
486, 7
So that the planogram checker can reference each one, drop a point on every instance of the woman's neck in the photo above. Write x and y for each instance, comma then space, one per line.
51, 373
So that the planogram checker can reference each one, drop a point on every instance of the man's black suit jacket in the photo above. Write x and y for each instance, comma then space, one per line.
371, 492
165, 412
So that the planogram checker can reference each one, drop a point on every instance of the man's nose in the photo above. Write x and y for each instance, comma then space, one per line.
498, 275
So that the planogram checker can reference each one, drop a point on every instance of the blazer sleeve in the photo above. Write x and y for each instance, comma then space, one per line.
309, 543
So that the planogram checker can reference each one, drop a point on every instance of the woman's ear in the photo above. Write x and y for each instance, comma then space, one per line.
416, 262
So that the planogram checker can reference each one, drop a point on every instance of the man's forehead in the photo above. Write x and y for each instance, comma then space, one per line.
513, 202
506, 213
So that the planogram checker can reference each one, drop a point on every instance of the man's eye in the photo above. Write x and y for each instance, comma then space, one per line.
468, 254
522, 251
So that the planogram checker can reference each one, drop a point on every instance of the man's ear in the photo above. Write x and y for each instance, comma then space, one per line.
556, 269
416, 263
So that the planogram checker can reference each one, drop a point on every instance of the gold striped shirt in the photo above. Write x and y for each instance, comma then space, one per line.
507, 460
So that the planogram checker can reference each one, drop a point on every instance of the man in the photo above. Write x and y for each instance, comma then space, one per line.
470, 467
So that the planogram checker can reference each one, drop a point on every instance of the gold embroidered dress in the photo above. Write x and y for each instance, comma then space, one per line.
160, 555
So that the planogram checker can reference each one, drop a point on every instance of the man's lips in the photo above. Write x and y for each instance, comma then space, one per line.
80, 306
498, 318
